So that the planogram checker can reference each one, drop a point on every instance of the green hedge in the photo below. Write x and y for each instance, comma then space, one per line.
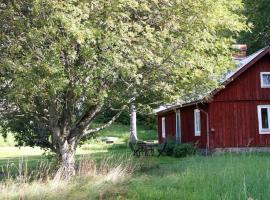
170, 146
183, 150
179, 150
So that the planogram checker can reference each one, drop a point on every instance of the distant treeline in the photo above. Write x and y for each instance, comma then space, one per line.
145, 120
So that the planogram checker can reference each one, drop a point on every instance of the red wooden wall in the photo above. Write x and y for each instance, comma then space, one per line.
233, 112
233, 117
170, 125
187, 126
236, 125
247, 86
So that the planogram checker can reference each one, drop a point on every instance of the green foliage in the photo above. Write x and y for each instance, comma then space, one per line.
257, 13
147, 121
123, 132
183, 150
63, 62
169, 149
179, 150
50, 157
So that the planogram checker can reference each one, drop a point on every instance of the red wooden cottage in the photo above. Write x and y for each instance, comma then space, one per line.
238, 115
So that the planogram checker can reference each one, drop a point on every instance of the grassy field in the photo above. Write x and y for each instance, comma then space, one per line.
229, 176
9, 154
226, 176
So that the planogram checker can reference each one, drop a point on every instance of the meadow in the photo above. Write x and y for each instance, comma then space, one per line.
109, 171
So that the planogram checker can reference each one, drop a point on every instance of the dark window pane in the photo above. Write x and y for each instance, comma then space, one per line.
264, 118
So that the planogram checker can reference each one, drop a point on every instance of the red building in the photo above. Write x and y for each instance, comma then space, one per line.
238, 115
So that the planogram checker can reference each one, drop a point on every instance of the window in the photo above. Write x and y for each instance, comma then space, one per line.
197, 122
163, 127
265, 79
178, 126
264, 119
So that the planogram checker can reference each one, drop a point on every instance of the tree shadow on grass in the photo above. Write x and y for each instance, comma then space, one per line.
146, 165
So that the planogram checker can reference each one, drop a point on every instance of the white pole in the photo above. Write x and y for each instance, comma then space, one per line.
133, 125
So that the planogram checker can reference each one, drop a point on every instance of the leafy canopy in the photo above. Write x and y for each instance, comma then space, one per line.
62, 62
258, 18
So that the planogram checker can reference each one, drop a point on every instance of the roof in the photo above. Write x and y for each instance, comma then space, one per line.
244, 62
243, 65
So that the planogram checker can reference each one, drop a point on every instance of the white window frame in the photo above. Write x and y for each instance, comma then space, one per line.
197, 130
263, 130
178, 116
163, 127
262, 84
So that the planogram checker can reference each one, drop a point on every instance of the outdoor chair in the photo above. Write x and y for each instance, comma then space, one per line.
134, 148
162, 148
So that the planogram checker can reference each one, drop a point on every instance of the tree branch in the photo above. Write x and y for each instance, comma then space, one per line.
82, 124
91, 131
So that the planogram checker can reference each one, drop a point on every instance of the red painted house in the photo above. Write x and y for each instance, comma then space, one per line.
238, 115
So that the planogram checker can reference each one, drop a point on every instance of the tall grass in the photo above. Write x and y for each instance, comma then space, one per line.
93, 180
22, 173
228, 176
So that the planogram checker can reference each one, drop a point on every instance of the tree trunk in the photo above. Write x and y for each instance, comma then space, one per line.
67, 150
133, 127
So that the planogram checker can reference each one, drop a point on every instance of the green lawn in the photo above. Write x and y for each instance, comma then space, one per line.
226, 176
94, 147
229, 176
123, 131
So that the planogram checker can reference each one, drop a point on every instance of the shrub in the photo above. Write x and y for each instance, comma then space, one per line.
182, 150
170, 146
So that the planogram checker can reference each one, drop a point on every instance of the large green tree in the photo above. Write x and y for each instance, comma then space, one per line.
62, 62
258, 19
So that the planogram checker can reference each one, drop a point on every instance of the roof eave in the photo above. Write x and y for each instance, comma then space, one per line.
201, 101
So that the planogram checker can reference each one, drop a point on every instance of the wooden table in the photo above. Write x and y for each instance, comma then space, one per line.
148, 148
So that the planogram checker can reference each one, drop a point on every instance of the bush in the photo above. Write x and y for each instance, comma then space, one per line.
170, 146
183, 150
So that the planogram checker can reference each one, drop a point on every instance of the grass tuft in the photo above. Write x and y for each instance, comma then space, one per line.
90, 182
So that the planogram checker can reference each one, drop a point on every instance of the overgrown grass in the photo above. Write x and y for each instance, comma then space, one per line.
226, 176
94, 148
229, 176
91, 182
